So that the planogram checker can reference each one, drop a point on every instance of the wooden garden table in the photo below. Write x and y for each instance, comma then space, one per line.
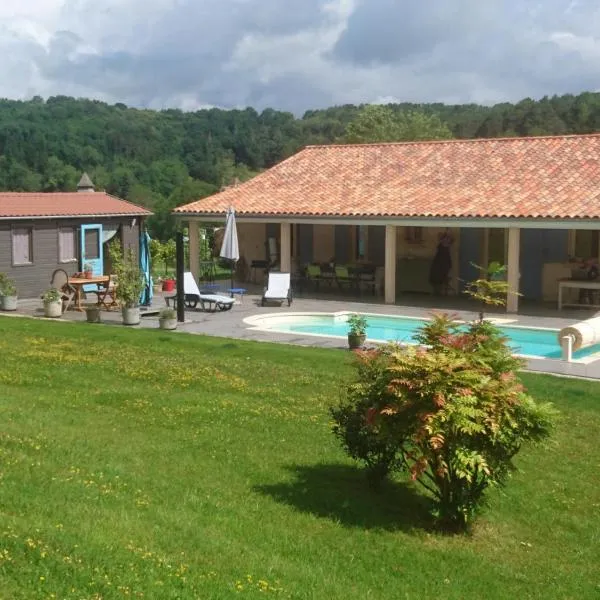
77, 284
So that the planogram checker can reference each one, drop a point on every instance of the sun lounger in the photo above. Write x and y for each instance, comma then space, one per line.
193, 296
278, 289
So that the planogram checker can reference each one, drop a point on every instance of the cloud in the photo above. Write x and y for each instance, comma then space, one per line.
298, 54
469, 50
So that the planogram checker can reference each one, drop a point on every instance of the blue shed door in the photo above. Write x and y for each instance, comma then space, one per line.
91, 251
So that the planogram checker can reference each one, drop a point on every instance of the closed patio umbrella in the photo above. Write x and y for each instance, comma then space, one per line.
145, 268
230, 249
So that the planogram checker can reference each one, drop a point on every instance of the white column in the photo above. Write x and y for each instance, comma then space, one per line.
514, 242
390, 264
194, 248
286, 248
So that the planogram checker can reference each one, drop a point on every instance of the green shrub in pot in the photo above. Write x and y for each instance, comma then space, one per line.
8, 293
357, 330
167, 319
130, 282
53, 303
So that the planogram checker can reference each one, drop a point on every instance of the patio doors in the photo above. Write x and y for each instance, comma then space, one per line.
91, 251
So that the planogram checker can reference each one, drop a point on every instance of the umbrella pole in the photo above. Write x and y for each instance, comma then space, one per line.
232, 263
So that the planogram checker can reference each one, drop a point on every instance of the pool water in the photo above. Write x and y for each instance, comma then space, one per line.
523, 340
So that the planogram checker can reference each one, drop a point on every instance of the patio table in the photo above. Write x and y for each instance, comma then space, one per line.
78, 282
578, 284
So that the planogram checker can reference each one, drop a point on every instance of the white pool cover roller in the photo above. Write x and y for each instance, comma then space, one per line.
583, 334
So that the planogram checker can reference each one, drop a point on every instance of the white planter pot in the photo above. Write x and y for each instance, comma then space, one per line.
131, 316
8, 303
167, 324
53, 309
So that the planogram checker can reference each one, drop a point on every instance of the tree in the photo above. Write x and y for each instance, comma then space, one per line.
450, 412
375, 123
149, 157
59, 177
490, 288
162, 224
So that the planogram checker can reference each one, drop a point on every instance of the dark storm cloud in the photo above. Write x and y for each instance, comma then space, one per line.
395, 31
185, 52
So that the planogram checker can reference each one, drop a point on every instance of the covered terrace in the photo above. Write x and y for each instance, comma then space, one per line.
382, 209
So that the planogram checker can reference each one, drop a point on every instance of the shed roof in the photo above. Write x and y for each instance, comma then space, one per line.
16, 205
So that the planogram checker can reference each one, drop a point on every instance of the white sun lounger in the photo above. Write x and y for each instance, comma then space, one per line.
278, 289
208, 302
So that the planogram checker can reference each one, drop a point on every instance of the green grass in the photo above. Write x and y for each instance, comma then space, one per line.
145, 465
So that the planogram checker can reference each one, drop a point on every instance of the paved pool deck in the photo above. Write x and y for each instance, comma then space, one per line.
231, 324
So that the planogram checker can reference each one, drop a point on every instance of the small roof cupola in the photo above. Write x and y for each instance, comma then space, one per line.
85, 184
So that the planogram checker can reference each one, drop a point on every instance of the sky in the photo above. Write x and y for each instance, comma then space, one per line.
298, 54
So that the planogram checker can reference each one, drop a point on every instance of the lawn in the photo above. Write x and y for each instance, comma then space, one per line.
140, 464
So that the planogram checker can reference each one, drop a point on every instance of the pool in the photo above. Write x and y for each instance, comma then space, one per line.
525, 341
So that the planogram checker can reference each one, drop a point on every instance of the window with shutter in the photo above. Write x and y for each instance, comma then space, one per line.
67, 251
22, 246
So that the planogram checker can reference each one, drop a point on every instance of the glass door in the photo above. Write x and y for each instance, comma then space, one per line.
92, 257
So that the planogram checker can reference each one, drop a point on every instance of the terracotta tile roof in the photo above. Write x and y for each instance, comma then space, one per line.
66, 204
546, 177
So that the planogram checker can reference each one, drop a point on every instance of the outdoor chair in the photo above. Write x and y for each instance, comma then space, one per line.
313, 273
366, 279
278, 289
60, 281
343, 277
193, 296
107, 296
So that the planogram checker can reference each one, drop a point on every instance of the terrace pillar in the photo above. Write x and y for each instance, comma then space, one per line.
513, 275
390, 264
286, 248
194, 248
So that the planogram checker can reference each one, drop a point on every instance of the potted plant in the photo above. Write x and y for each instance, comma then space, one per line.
92, 313
167, 319
357, 332
168, 256
53, 303
88, 271
8, 293
131, 282
168, 284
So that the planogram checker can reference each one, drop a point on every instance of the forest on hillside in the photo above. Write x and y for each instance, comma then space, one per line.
161, 159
